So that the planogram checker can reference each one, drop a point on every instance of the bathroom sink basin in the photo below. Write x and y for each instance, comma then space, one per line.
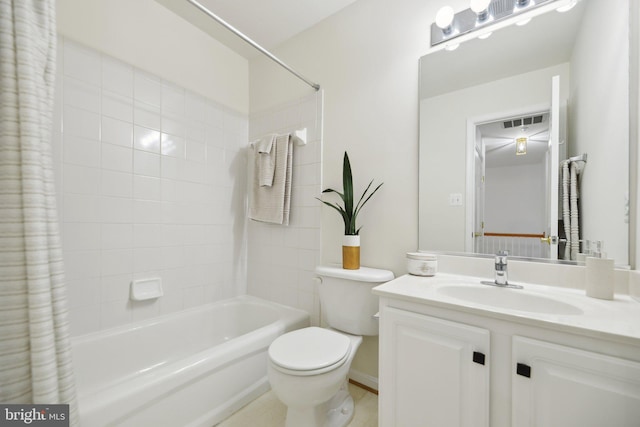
513, 299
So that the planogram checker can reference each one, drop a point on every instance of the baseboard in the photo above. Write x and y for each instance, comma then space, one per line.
365, 381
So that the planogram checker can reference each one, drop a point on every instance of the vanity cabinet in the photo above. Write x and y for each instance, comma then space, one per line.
556, 385
435, 371
432, 372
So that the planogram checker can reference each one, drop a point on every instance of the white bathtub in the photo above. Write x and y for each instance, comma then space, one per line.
192, 368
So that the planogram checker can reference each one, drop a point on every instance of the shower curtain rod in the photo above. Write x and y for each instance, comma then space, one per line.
254, 44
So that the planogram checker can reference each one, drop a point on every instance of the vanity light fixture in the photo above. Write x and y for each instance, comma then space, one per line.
521, 146
485, 16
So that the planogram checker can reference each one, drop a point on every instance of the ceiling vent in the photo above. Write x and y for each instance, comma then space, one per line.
523, 121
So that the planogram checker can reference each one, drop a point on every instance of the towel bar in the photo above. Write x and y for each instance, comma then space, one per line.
299, 137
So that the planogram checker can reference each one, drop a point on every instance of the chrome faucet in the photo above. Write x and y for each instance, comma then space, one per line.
501, 268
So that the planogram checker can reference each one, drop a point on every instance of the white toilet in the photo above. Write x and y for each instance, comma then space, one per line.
308, 367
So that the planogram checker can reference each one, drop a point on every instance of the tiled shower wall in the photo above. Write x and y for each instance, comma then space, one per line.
282, 259
151, 183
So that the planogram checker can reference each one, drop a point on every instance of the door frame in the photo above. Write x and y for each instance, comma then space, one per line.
472, 123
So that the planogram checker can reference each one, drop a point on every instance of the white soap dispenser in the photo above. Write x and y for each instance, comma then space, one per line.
599, 274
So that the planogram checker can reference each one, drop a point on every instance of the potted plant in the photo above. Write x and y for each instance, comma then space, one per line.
349, 213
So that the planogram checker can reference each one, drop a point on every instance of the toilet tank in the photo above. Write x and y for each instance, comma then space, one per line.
346, 300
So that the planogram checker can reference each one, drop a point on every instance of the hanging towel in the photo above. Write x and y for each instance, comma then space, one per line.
265, 160
272, 204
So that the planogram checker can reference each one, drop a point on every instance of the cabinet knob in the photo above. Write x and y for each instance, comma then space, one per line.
523, 370
478, 357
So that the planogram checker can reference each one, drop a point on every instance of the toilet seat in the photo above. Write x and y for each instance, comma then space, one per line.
309, 351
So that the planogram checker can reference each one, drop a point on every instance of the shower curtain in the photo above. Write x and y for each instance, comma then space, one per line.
35, 352
570, 214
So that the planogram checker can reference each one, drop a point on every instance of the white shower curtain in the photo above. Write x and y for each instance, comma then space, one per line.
35, 352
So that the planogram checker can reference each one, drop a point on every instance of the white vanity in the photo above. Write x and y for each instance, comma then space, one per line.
454, 352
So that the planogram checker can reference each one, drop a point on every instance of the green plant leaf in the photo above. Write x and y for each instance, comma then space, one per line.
350, 212
347, 183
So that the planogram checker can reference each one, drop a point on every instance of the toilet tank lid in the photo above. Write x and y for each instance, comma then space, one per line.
363, 274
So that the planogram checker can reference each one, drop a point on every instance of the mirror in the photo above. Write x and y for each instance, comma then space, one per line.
470, 200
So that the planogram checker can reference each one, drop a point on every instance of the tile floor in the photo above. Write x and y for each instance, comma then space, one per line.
268, 411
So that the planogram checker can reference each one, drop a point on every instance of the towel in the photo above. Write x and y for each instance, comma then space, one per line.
272, 204
265, 160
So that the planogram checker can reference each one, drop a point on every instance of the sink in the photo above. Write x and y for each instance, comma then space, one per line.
513, 299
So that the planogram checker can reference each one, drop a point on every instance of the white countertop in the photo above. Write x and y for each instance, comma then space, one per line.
618, 319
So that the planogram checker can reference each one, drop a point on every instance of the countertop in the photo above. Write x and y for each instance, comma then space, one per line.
617, 319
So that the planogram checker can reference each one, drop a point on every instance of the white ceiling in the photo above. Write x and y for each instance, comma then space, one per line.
268, 23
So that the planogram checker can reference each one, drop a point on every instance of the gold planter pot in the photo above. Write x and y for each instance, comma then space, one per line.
351, 252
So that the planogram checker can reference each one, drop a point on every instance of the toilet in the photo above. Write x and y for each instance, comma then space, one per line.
308, 367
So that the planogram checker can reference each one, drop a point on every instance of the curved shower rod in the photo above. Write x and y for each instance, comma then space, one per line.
238, 33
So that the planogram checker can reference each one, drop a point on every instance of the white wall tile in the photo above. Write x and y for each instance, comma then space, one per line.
81, 95
81, 151
117, 106
147, 235
172, 145
145, 163
173, 99
117, 77
82, 63
116, 158
115, 288
117, 236
118, 132
147, 88
81, 123
146, 139
147, 116
132, 204
146, 188
81, 208
81, 180
116, 210
116, 184
79, 236
117, 261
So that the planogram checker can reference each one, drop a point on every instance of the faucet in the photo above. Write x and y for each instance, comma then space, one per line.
501, 268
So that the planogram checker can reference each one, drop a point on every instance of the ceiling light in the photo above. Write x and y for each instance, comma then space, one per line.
521, 146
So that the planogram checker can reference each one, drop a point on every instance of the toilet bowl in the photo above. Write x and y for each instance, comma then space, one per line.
308, 368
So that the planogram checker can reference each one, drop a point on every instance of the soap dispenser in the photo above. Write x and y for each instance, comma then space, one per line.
599, 276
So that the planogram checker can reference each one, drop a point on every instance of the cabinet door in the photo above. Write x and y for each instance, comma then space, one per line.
433, 372
564, 387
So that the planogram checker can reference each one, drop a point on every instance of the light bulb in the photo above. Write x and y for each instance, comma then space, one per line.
523, 22
479, 6
444, 18
451, 47
485, 36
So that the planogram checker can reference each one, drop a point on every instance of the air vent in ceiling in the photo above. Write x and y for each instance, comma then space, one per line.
522, 121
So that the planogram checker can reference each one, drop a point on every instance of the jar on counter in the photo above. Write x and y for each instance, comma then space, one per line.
422, 264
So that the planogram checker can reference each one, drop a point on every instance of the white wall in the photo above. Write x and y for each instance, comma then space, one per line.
282, 259
515, 199
151, 184
599, 124
150, 37
130, 210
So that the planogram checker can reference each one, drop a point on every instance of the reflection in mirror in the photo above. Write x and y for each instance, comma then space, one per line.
558, 86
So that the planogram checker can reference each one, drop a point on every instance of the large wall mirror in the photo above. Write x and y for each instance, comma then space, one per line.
524, 138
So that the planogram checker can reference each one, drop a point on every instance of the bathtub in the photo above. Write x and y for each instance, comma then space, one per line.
191, 368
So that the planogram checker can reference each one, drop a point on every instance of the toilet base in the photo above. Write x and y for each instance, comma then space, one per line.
341, 408
337, 412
